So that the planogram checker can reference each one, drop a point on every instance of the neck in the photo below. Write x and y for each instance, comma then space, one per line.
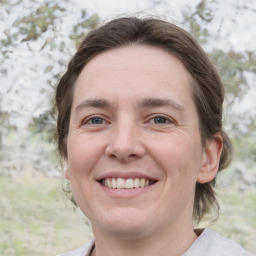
172, 242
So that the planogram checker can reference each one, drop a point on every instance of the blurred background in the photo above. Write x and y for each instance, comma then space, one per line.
37, 39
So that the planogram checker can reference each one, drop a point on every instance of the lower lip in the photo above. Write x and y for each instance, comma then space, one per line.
126, 193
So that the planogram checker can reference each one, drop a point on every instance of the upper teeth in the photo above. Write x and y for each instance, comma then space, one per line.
125, 183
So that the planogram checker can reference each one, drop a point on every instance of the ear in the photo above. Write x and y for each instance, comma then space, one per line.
66, 170
210, 159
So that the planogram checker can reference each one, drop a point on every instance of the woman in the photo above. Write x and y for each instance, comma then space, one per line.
140, 130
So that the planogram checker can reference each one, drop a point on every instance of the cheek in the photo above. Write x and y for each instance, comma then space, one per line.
83, 153
179, 157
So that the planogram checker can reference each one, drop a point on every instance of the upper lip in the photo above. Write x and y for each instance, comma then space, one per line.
124, 175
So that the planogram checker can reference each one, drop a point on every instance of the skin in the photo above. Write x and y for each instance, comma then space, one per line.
133, 115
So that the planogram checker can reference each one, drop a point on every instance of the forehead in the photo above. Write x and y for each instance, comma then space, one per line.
148, 57
135, 71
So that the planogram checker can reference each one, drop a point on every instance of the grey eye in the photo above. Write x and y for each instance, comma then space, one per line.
160, 120
96, 120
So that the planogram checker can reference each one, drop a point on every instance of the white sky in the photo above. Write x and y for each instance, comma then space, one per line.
234, 24
237, 25
234, 29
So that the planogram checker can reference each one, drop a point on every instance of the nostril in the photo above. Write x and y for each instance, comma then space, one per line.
113, 156
132, 155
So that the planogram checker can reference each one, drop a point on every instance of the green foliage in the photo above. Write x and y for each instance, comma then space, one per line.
202, 13
30, 223
34, 219
3, 2
44, 125
86, 24
231, 66
198, 32
33, 25
245, 147
237, 219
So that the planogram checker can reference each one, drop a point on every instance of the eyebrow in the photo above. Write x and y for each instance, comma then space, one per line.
145, 103
94, 103
156, 102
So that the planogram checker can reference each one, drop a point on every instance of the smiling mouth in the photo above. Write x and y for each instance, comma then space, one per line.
130, 183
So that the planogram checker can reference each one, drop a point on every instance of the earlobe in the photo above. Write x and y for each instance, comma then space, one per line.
210, 159
66, 170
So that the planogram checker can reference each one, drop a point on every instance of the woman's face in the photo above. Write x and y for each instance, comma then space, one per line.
134, 147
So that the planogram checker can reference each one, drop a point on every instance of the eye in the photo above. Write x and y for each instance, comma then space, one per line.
160, 120
94, 121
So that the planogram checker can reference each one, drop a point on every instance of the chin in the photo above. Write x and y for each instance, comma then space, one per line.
129, 232
126, 223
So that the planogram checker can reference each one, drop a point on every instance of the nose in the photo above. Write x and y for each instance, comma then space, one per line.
125, 143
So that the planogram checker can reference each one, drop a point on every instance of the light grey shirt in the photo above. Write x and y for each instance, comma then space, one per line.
209, 243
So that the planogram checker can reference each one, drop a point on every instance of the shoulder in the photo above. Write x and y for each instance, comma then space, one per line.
82, 251
210, 243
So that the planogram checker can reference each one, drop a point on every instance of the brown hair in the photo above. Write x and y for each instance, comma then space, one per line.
208, 90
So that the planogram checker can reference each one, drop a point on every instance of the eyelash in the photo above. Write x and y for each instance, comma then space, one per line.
88, 121
151, 120
166, 119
